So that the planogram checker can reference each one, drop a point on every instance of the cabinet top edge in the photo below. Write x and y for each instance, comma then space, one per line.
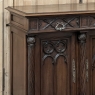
55, 9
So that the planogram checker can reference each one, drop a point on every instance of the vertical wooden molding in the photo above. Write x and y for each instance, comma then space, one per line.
82, 62
31, 66
1, 46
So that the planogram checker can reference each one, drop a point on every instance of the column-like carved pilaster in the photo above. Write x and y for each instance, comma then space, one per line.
31, 66
82, 62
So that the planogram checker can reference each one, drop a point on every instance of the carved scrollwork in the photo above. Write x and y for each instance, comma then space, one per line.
60, 46
54, 49
58, 55
46, 56
48, 47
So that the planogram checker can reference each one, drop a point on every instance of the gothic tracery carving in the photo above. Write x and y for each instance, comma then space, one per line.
54, 49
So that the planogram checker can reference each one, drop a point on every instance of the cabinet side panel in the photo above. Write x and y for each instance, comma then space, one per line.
18, 62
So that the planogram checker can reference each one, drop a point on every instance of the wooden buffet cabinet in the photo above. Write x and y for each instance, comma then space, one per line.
53, 49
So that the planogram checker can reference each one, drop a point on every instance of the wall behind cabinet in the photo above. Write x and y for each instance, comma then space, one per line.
42, 2
6, 32
45, 2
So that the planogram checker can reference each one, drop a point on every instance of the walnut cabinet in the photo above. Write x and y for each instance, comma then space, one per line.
52, 49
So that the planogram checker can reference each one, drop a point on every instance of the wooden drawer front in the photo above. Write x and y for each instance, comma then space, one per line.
62, 23
59, 23
19, 21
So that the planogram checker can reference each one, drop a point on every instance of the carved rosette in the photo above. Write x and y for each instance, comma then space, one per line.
54, 49
31, 65
83, 63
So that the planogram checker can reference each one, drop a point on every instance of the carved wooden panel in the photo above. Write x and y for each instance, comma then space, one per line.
62, 23
54, 67
68, 22
53, 64
54, 49
53, 23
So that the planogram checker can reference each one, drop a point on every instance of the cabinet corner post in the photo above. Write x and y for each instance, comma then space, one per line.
31, 66
82, 37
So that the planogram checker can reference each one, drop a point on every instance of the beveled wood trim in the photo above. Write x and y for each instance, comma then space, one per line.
19, 21
66, 30
19, 28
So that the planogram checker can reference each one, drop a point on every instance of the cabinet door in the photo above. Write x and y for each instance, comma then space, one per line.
55, 64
